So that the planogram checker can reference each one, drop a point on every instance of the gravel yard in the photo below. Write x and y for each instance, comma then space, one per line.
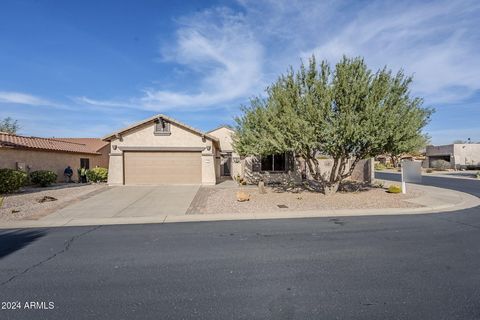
211, 200
26, 205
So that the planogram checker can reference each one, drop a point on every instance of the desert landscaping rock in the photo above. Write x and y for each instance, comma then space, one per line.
33, 202
242, 196
46, 199
217, 201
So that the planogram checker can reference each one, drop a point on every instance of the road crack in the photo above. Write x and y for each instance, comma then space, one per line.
67, 246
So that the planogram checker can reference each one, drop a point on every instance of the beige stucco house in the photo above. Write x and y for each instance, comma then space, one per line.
457, 155
162, 150
35, 153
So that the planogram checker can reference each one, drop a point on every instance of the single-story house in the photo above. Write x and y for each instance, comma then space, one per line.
55, 154
457, 155
162, 150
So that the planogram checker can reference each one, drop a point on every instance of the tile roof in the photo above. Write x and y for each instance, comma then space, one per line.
95, 144
75, 145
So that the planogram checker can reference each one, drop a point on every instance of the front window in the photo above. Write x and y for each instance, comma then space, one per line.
275, 162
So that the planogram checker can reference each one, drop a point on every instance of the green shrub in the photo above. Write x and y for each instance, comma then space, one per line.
379, 166
11, 180
440, 165
97, 174
429, 170
389, 166
43, 178
394, 189
478, 175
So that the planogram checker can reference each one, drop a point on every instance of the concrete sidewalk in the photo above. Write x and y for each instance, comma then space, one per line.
434, 200
469, 175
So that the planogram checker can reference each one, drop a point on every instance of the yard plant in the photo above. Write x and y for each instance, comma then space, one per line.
9, 125
394, 189
43, 178
12, 180
440, 165
348, 113
97, 174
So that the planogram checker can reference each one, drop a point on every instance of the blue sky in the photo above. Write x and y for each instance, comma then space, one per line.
86, 68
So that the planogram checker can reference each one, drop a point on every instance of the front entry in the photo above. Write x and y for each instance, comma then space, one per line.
226, 164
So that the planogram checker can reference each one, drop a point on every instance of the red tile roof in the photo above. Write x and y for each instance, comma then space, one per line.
75, 145
95, 144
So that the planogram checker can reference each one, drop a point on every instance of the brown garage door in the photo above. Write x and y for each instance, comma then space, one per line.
149, 168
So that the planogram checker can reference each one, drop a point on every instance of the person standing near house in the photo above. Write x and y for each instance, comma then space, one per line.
68, 173
83, 175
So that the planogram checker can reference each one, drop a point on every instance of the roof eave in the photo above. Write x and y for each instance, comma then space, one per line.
151, 119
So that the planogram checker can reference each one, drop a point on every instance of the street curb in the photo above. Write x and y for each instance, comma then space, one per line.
458, 201
434, 175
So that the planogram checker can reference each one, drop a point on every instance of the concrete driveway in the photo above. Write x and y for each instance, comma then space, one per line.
131, 201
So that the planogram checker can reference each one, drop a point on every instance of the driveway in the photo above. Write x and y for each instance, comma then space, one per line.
131, 201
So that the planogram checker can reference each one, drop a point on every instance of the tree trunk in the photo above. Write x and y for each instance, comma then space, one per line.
394, 160
331, 188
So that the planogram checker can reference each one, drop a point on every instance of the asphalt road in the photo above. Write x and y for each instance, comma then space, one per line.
392, 267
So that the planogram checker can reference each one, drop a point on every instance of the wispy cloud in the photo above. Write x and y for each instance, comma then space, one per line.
24, 98
221, 52
105, 103
219, 45
432, 40
231, 56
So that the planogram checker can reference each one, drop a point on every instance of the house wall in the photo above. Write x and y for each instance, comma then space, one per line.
238, 166
217, 163
224, 135
115, 172
144, 136
439, 150
364, 171
253, 177
47, 160
466, 155
103, 158
461, 155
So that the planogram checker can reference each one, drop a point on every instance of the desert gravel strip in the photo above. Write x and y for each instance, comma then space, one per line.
24, 205
210, 200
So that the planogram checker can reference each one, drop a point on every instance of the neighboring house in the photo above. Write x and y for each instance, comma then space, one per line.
162, 150
386, 159
55, 154
459, 156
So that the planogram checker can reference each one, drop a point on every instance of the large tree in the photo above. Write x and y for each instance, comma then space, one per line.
411, 146
9, 125
349, 113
